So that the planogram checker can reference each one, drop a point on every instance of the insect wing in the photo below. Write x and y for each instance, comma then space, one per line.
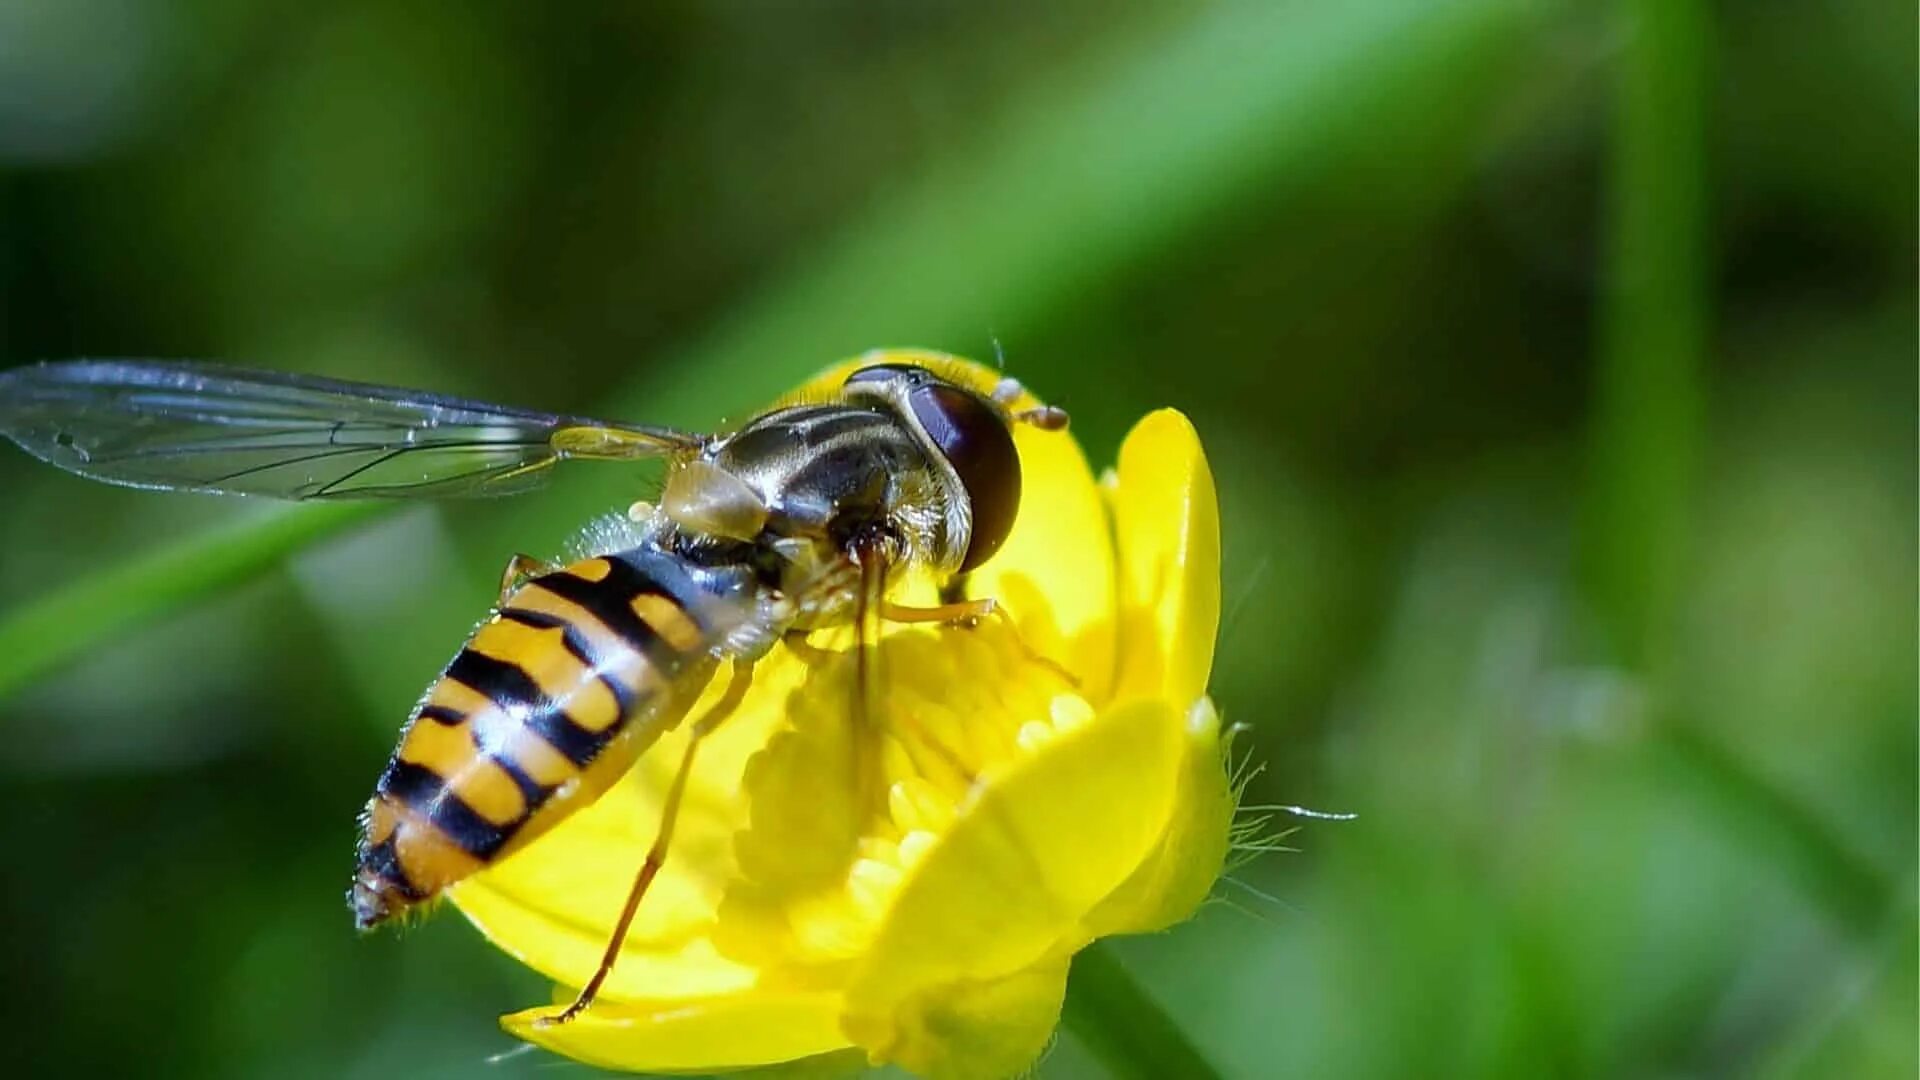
204, 427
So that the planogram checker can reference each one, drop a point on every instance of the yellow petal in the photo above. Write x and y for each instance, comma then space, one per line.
741, 1030
1038, 845
1167, 527
1055, 572
964, 1031
1173, 881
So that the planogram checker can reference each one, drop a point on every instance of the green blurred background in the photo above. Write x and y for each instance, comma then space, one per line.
1556, 360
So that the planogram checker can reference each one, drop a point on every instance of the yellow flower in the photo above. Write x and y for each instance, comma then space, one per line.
1024, 817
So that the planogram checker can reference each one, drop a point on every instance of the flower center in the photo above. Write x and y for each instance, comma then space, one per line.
842, 808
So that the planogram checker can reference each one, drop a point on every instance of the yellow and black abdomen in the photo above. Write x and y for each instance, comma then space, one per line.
549, 702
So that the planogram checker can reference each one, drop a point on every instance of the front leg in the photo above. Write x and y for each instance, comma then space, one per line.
967, 614
810, 654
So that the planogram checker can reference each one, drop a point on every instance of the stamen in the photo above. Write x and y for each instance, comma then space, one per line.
954, 708
871, 883
1069, 711
918, 806
914, 847
1034, 735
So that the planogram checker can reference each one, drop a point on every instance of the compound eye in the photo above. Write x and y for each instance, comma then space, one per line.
976, 442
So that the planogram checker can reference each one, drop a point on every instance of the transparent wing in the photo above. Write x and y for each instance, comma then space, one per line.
204, 427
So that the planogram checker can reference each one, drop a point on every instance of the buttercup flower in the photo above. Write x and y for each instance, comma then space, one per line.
1024, 816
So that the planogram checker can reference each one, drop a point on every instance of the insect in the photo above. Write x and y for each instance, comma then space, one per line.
790, 523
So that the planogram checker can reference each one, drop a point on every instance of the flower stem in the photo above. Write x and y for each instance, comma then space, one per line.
1120, 1024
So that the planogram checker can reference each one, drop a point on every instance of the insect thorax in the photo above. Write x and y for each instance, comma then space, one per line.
828, 476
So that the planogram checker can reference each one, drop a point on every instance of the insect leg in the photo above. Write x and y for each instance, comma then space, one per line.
969, 613
519, 569
867, 606
874, 557
810, 654
656, 857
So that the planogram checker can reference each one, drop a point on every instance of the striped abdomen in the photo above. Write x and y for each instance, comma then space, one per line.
551, 700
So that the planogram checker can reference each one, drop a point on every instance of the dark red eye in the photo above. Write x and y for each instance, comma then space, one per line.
976, 442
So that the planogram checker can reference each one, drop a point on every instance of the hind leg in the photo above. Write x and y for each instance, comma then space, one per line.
656, 856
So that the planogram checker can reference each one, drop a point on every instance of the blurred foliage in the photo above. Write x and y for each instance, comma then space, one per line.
1557, 360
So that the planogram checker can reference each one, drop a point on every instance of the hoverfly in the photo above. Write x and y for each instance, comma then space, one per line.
789, 523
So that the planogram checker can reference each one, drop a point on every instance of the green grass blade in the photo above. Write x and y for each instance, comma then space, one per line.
1100, 169
1649, 436
1098, 166
1649, 400
64, 624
